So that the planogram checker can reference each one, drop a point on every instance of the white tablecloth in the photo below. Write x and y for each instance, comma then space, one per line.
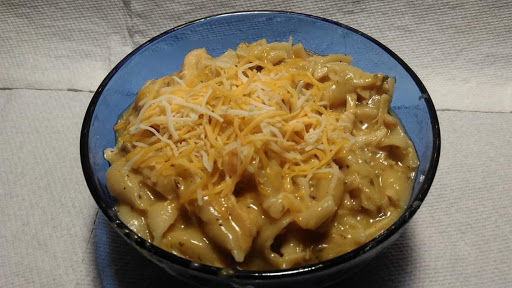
53, 55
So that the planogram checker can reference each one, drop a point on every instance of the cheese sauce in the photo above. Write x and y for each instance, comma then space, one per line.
265, 157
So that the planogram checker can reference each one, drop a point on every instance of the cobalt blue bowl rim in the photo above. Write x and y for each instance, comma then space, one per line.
271, 274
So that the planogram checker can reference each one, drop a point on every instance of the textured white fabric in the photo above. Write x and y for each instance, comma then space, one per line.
53, 54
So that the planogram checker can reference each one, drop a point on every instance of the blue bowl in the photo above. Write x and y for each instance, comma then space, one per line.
164, 54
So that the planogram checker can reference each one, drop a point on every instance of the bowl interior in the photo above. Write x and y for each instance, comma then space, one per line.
164, 54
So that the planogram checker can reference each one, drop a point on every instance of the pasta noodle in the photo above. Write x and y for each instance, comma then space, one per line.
266, 157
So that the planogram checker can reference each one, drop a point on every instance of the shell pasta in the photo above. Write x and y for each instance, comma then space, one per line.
266, 157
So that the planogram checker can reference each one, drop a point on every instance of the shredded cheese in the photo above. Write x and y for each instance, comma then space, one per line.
237, 116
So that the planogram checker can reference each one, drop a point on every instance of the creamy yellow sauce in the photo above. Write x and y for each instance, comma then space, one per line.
265, 157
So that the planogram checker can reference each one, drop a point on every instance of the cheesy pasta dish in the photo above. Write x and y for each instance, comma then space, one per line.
266, 157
